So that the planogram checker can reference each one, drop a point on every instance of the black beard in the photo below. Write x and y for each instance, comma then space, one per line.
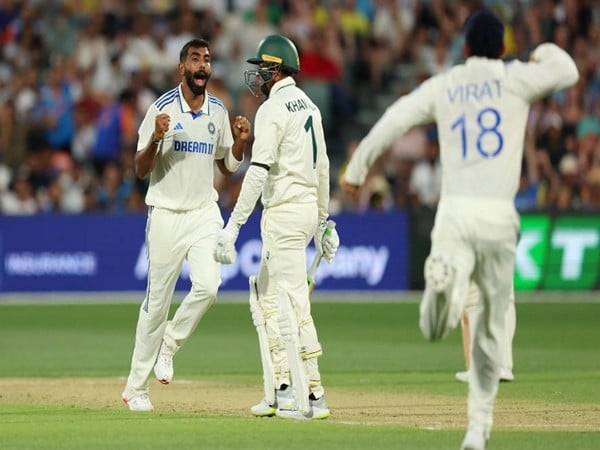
196, 90
266, 88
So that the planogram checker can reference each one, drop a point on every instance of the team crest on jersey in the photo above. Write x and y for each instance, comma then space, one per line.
211, 128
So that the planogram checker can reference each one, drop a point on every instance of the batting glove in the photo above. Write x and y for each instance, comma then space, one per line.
327, 241
225, 246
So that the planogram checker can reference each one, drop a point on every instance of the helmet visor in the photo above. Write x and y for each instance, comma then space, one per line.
256, 78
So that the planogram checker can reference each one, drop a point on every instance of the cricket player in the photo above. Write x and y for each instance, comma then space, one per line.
472, 313
481, 109
290, 168
184, 132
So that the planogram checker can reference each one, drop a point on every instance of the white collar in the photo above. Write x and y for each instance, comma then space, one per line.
205, 109
285, 82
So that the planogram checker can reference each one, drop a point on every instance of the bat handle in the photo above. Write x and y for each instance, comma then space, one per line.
316, 261
330, 226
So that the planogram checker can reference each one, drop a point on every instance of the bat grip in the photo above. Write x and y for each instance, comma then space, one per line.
330, 227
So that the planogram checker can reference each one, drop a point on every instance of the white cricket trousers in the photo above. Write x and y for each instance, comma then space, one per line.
171, 238
480, 237
286, 231
474, 310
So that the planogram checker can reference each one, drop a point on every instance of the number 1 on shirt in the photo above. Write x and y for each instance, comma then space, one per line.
308, 125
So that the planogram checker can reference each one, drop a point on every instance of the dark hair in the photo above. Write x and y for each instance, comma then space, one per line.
194, 43
484, 34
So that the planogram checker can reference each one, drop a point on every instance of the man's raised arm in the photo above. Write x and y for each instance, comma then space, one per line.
407, 112
549, 70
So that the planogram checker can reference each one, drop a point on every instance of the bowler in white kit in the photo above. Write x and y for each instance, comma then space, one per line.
290, 168
481, 109
184, 132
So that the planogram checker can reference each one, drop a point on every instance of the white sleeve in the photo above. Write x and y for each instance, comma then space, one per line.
267, 135
416, 108
550, 70
224, 146
252, 187
146, 128
231, 162
322, 173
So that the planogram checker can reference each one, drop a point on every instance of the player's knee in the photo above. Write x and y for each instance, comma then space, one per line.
269, 305
205, 291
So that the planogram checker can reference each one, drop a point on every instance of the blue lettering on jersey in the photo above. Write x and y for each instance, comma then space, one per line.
475, 92
204, 148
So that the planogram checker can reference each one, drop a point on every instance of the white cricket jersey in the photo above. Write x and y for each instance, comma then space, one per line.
182, 178
290, 142
481, 110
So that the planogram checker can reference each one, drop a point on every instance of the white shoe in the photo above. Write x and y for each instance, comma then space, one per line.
463, 377
319, 409
437, 314
506, 375
287, 407
293, 414
163, 367
139, 402
283, 399
263, 409
475, 439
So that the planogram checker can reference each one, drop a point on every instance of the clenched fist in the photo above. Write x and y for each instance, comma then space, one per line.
351, 189
241, 128
161, 126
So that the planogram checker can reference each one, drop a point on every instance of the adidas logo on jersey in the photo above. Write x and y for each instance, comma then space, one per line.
178, 126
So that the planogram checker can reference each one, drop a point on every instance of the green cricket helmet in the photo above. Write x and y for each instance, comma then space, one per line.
278, 50
275, 52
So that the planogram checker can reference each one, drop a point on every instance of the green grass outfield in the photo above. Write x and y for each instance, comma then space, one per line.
62, 369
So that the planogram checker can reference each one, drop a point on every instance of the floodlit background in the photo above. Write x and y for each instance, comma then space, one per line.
76, 78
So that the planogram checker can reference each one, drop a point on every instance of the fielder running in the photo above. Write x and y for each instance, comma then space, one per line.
291, 169
481, 110
184, 132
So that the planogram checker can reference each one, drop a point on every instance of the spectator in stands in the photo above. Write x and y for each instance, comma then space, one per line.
426, 177
19, 200
116, 128
113, 190
54, 111
74, 78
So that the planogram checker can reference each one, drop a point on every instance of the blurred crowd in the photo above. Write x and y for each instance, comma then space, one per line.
77, 76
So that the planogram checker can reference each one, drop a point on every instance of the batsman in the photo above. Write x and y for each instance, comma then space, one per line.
290, 168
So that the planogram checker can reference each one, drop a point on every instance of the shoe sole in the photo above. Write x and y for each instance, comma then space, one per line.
321, 416
126, 403
163, 381
291, 414
269, 414
502, 380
